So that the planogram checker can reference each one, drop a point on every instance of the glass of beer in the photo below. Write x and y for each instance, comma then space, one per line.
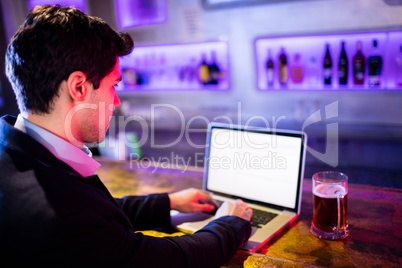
330, 202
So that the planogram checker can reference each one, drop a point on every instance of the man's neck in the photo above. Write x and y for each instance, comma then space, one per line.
54, 124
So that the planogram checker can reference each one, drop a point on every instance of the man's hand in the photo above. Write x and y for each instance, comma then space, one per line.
192, 200
239, 208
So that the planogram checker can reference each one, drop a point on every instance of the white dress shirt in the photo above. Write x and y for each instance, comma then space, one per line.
79, 159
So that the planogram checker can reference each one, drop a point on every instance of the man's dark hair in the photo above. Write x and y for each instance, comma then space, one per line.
53, 42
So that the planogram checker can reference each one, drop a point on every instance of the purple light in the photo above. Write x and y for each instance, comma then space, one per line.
80, 4
394, 51
312, 51
174, 67
133, 13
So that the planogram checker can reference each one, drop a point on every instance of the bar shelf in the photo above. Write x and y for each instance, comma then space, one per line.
305, 61
189, 66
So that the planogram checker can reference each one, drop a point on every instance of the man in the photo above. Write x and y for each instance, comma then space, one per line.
63, 66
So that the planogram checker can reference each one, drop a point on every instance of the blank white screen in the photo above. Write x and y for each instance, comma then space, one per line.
258, 166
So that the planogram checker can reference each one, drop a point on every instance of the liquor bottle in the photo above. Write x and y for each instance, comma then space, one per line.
153, 66
203, 71
313, 73
162, 68
193, 70
343, 66
283, 68
327, 67
145, 76
297, 70
270, 69
375, 66
214, 70
358, 65
130, 77
140, 71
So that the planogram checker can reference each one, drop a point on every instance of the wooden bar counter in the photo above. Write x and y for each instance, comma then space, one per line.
374, 214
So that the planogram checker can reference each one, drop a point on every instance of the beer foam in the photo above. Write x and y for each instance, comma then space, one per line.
328, 190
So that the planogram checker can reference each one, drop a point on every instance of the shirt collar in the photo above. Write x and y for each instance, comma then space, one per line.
79, 159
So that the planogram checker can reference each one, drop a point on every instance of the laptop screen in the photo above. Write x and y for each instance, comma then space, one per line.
258, 165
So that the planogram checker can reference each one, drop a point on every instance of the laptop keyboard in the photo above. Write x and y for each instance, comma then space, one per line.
259, 218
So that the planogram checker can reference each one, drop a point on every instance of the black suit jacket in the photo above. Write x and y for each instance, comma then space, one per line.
51, 216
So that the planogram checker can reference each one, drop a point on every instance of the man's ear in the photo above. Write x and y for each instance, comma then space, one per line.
77, 85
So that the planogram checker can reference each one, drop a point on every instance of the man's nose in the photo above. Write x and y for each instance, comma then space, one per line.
116, 102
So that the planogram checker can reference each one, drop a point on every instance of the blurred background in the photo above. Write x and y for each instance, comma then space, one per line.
332, 68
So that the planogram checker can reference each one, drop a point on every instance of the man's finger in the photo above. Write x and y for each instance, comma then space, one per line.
209, 199
204, 207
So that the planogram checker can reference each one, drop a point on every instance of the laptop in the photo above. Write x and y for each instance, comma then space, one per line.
263, 167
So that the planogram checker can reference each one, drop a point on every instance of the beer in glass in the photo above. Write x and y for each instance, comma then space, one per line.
330, 204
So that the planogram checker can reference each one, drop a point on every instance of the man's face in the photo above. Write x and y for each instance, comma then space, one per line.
95, 120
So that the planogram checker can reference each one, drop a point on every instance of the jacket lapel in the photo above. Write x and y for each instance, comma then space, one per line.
22, 143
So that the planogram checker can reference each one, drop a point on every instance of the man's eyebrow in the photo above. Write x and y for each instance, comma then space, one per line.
118, 79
